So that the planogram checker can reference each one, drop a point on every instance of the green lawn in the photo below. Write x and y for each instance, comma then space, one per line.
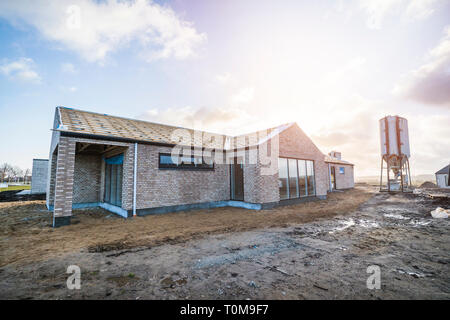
25, 187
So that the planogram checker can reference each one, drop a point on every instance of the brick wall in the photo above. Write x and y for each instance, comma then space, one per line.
64, 177
258, 187
156, 188
86, 182
39, 176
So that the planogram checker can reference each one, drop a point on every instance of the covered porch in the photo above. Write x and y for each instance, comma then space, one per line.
89, 173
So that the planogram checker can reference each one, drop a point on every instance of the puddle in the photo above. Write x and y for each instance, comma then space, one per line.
368, 224
344, 225
413, 274
395, 216
420, 222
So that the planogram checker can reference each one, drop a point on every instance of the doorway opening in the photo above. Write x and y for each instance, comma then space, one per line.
333, 178
237, 179
113, 180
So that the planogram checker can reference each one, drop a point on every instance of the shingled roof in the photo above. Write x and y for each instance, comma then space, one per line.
104, 125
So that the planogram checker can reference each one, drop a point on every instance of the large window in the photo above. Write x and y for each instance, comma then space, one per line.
302, 177
283, 178
310, 174
293, 179
167, 161
296, 178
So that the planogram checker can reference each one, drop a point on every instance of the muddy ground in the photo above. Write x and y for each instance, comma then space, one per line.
286, 253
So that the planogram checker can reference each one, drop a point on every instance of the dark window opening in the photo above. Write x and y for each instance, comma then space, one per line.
167, 161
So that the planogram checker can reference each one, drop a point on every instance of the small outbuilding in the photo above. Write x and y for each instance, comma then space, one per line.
340, 172
443, 177
39, 174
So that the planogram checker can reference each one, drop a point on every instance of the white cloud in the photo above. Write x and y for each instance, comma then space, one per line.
342, 73
68, 68
378, 10
224, 78
244, 96
21, 69
430, 83
95, 29
420, 9
226, 120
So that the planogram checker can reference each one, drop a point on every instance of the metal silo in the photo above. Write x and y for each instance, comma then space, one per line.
395, 154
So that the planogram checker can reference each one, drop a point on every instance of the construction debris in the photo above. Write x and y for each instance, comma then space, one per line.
440, 213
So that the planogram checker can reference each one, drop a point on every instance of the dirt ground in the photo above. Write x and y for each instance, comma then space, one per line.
316, 250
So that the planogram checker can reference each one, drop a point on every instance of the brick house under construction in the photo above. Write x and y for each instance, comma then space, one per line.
129, 167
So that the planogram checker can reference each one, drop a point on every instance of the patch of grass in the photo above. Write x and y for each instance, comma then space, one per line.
11, 188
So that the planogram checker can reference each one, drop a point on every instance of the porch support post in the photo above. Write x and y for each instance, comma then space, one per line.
64, 182
135, 179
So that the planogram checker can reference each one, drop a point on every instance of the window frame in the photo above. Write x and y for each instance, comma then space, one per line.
192, 166
287, 178
298, 177
341, 170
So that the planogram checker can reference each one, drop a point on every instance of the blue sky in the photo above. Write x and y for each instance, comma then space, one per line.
334, 67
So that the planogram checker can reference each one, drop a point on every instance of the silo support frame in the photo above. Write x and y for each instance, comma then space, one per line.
403, 172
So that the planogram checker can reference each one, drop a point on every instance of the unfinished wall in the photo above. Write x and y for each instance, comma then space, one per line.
294, 143
39, 176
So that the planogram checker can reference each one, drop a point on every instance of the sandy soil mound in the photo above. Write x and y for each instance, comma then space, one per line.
428, 184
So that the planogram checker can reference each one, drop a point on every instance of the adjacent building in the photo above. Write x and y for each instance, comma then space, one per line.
443, 177
134, 167
340, 172
39, 175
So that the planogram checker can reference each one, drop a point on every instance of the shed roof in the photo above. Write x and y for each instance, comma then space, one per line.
104, 125
444, 170
330, 159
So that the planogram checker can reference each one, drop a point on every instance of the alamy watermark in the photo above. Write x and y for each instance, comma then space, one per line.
73, 21
260, 148
374, 280
74, 280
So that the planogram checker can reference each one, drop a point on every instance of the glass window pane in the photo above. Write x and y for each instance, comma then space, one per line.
302, 177
310, 173
107, 182
293, 179
166, 159
113, 183
282, 178
119, 185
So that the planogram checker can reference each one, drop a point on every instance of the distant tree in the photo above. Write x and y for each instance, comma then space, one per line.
18, 173
26, 173
4, 171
